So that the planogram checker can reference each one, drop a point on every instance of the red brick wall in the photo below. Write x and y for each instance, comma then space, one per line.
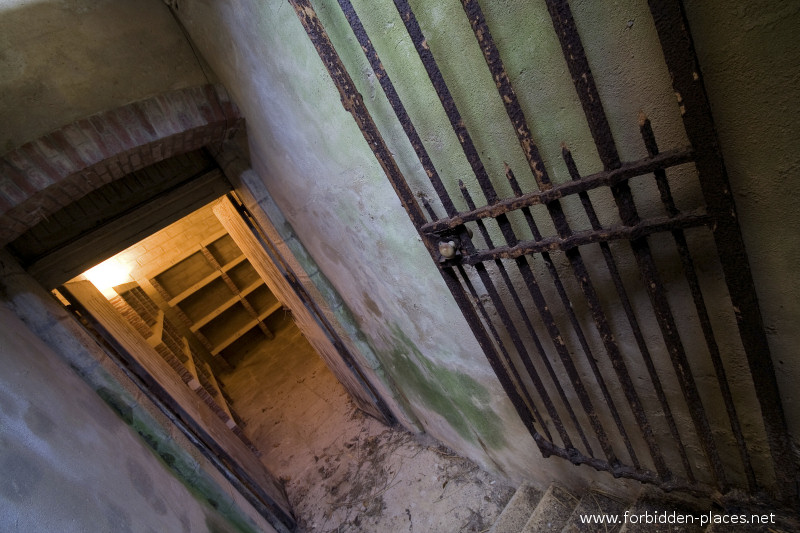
40, 177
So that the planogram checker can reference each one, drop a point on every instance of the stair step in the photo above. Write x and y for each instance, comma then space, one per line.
597, 504
518, 510
655, 509
552, 512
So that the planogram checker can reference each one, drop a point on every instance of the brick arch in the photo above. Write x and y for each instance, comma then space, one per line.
40, 177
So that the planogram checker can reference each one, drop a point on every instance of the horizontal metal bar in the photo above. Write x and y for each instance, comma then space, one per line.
551, 244
600, 179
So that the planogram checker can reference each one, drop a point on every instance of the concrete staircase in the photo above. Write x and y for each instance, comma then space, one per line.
561, 511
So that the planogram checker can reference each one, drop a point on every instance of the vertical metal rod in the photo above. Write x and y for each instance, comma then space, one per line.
435, 75
649, 139
353, 102
578, 65
632, 320
507, 358
508, 323
529, 326
515, 113
397, 105
509, 364
679, 54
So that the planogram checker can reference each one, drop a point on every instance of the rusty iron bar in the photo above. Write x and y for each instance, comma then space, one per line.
397, 105
528, 277
353, 102
562, 293
662, 183
583, 80
537, 167
643, 476
679, 54
551, 244
529, 326
442, 91
509, 363
631, 315
599, 179
492, 56
503, 351
517, 341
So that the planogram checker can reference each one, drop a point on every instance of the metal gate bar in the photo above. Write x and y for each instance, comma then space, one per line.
679, 54
434, 74
699, 303
583, 80
616, 278
537, 167
673, 32
353, 103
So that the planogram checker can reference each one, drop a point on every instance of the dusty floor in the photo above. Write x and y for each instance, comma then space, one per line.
344, 471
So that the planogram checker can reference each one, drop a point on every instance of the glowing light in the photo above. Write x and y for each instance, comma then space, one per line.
107, 275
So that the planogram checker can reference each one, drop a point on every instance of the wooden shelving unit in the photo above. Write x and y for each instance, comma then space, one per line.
217, 293
162, 335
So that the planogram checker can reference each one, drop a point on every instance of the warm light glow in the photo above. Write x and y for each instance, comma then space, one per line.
107, 275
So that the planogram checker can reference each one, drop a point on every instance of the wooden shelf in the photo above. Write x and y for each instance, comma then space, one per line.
224, 306
217, 292
158, 330
205, 281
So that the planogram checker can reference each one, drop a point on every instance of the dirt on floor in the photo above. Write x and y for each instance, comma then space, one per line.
343, 470
385, 480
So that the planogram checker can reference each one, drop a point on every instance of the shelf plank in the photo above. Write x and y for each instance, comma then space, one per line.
269, 310
235, 336
158, 330
195, 383
232, 263
224, 306
220, 399
175, 300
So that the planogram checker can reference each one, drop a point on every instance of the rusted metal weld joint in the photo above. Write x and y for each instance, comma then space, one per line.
451, 244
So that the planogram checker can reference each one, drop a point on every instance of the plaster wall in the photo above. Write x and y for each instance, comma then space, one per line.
70, 463
62, 61
321, 174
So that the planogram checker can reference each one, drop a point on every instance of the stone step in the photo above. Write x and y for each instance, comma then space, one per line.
599, 504
518, 510
552, 512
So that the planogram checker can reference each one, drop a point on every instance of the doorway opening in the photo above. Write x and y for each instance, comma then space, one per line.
146, 264
195, 297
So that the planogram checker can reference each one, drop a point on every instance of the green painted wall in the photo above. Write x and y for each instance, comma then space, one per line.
321, 174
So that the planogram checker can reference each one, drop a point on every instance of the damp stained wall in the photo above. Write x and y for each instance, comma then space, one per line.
63, 61
322, 175
70, 463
